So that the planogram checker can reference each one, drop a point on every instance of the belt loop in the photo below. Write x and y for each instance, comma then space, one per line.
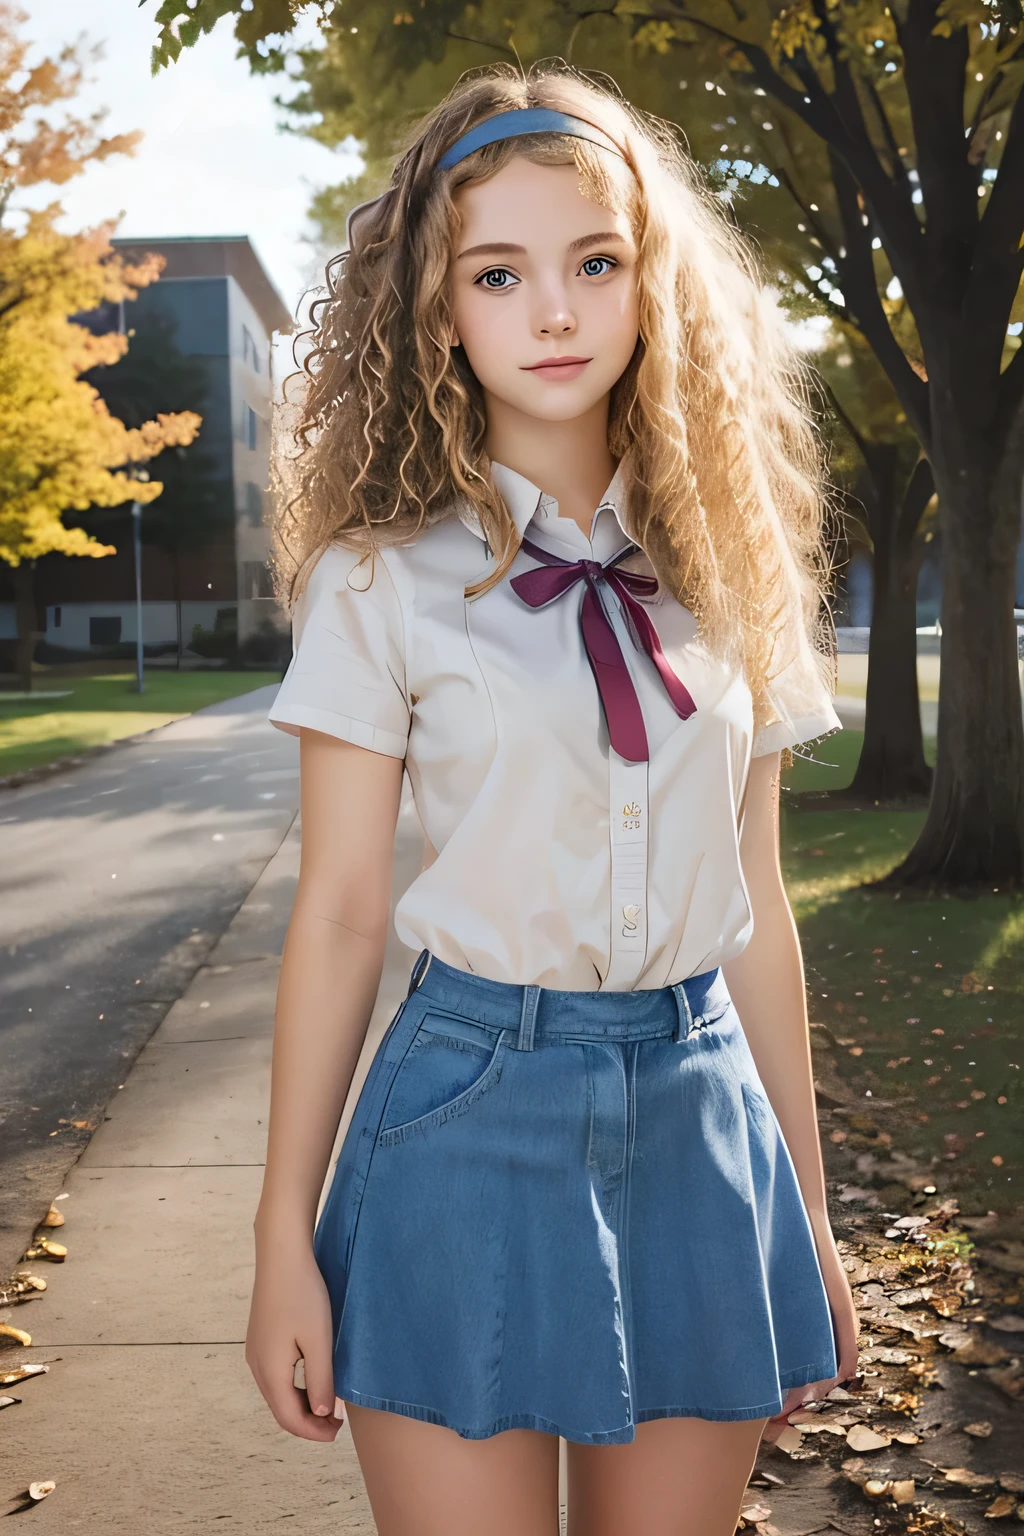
419, 970
528, 1018
684, 1020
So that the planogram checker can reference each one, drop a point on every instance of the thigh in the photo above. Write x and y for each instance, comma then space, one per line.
679, 1477
424, 1480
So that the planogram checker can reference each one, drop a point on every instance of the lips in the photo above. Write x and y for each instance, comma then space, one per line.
557, 362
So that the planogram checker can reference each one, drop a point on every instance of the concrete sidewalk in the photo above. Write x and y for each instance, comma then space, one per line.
148, 1418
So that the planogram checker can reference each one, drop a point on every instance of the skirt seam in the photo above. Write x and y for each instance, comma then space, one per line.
621, 1435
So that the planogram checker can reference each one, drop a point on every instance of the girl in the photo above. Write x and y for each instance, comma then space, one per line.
557, 532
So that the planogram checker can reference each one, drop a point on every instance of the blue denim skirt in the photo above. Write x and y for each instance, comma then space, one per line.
568, 1211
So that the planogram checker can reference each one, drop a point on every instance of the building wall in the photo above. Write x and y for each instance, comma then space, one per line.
75, 626
251, 395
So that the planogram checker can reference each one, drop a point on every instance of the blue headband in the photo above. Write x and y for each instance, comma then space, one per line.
511, 125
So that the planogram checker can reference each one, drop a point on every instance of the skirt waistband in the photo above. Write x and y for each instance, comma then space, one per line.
544, 1012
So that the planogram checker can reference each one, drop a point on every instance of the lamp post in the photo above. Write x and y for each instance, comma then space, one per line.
137, 541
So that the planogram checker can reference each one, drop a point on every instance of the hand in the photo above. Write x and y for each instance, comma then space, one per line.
290, 1315
846, 1325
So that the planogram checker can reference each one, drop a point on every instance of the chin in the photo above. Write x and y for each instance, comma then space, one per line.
561, 405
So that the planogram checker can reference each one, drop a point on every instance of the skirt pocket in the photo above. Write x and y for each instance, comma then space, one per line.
449, 1066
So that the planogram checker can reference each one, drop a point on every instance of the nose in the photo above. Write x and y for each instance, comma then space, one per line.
553, 314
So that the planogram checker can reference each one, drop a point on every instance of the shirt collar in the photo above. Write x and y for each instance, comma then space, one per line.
526, 501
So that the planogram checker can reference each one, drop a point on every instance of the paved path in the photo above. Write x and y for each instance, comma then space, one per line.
148, 1418
116, 879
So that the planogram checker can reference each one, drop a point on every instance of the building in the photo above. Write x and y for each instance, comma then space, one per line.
203, 329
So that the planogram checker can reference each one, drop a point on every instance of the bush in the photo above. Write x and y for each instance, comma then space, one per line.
220, 642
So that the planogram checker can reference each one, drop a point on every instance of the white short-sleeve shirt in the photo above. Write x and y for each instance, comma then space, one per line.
553, 860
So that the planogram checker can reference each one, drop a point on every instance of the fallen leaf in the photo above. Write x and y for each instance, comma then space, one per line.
875, 1488
861, 1437
1013, 1482
980, 1431
45, 1249
755, 1512
907, 1437
1008, 1323
903, 1490
964, 1477
53, 1218
909, 1297
954, 1338
980, 1352
40, 1490
790, 1438
1001, 1506
8, 1331
21, 1373
8, 1402
885, 1355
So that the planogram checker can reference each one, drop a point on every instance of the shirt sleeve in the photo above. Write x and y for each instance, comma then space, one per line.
802, 703
347, 672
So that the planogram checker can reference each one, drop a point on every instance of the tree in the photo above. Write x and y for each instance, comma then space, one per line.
890, 489
910, 117
60, 448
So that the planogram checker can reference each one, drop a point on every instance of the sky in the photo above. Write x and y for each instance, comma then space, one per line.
213, 160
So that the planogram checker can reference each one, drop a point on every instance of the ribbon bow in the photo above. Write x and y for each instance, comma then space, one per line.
622, 711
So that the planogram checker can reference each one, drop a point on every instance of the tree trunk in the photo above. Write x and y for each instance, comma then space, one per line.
973, 836
892, 764
25, 610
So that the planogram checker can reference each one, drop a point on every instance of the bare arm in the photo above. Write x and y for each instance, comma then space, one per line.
767, 985
330, 973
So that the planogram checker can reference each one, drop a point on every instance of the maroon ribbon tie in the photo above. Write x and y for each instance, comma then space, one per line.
622, 711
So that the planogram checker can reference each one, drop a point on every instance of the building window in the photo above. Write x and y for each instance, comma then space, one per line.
257, 580
249, 351
254, 504
104, 631
250, 427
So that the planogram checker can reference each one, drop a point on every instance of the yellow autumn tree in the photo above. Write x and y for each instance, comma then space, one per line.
60, 448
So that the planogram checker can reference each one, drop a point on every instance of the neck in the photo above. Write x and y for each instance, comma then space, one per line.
569, 460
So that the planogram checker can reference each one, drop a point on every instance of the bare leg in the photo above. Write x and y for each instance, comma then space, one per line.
423, 1480
679, 1477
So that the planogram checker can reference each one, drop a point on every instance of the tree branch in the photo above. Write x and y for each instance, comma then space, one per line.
894, 213
480, 42
860, 288
920, 489
1011, 392
934, 71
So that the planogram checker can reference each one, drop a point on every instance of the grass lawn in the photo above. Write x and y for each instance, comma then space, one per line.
95, 710
923, 996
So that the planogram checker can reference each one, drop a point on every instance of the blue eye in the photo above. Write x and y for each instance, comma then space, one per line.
597, 266
497, 273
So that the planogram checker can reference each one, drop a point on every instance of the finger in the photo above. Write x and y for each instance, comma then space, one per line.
290, 1405
319, 1374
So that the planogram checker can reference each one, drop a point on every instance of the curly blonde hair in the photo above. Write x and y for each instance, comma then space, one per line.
727, 483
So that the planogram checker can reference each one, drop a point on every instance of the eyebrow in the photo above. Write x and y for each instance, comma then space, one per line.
503, 248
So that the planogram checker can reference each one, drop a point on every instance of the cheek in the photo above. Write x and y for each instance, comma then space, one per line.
487, 330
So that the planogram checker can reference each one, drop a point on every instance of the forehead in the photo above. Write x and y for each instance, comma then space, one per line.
526, 202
